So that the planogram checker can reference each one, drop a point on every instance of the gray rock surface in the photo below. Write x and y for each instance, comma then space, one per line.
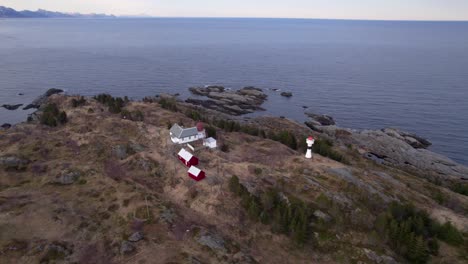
286, 94
322, 120
13, 162
67, 177
120, 151
212, 240
42, 99
399, 149
135, 237
243, 101
127, 248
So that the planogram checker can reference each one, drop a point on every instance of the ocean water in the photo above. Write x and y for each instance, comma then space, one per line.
366, 74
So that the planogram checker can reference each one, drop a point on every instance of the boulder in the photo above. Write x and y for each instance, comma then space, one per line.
11, 107
212, 240
57, 251
135, 237
321, 215
323, 120
286, 94
120, 151
67, 177
13, 162
127, 248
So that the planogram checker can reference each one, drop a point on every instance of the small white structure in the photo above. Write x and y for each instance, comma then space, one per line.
310, 141
180, 135
210, 143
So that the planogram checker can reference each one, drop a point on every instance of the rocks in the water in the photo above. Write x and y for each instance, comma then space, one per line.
6, 126
67, 177
243, 101
323, 120
127, 248
42, 99
410, 138
13, 162
11, 107
286, 94
135, 237
20, 94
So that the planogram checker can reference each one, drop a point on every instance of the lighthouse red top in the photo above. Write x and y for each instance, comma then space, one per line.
310, 138
200, 126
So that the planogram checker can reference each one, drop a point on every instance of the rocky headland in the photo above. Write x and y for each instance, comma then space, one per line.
97, 180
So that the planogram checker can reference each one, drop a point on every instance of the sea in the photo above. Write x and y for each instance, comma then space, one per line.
366, 74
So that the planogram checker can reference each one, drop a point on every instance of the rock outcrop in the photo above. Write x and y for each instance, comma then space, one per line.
243, 101
391, 146
320, 120
42, 99
286, 94
5, 126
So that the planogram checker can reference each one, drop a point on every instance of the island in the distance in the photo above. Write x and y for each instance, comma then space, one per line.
6, 12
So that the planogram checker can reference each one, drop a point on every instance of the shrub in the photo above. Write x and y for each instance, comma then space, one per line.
225, 147
291, 218
78, 102
210, 131
114, 105
51, 116
450, 234
169, 104
324, 148
412, 234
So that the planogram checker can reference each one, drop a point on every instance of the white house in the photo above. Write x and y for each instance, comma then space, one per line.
209, 142
180, 135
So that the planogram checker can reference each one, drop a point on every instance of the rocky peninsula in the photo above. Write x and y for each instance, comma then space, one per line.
97, 180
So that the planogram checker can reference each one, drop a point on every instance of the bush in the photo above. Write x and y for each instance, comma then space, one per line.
450, 234
412, 234
324, 148
169, 104
291, 218
225, 148
114, 105
51, 116
78, 102
210, 131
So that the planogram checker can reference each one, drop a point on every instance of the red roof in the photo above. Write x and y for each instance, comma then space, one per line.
310, 138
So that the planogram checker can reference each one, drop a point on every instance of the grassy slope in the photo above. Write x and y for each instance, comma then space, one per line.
101, 209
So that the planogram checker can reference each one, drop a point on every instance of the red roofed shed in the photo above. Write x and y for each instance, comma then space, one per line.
196, 174
187, 158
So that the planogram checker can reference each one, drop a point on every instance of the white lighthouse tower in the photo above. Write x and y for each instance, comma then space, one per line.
310, 141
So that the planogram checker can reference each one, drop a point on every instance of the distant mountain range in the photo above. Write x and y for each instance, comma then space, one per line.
6, 12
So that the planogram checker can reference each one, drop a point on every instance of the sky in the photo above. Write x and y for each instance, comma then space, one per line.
339, 9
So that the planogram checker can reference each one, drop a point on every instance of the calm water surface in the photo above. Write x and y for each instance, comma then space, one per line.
367, 74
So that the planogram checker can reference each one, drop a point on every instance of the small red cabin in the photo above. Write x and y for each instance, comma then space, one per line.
196, 174
187, 158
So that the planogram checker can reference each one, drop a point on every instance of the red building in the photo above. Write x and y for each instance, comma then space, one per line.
196, 174
187, 158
